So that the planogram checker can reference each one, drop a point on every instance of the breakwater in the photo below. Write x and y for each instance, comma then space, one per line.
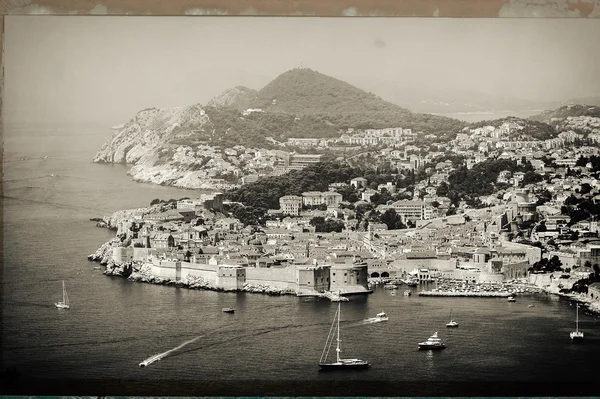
466, 294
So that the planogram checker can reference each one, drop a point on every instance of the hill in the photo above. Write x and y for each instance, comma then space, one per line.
567, 111
183, 146
307, 92
239, 97
527, 129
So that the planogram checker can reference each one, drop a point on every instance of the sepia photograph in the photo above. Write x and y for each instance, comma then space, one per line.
276, 206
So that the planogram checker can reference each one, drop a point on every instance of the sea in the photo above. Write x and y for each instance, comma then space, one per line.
271, 345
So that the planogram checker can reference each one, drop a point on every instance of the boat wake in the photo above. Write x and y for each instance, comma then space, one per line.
373, 320
156, 358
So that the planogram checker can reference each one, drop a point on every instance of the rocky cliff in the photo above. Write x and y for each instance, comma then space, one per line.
140, 139
238, 97
159, 143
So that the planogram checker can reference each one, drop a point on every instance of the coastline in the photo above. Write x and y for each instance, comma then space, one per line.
140, 272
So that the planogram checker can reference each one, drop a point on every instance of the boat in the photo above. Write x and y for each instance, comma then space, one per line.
382, 316
432, 343
64, 304
452, 323
228, 310
151, 360
407, 293
531, 305
511, 299
339, 364
410, 282
576, 335
393, 293
390, 287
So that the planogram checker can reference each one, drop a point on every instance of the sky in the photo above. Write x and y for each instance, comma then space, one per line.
103, 70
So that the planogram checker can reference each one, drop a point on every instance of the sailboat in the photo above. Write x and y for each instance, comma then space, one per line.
452, 323
339, 363
64, 304
576, 334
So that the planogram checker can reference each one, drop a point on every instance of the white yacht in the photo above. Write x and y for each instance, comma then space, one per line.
339, 362
64, 304
576, 335
433, 342
452, 323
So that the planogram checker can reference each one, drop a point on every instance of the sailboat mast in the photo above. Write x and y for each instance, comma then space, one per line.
577, 318
337, 351
63, 291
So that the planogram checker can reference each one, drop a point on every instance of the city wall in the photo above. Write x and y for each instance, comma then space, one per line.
279, 278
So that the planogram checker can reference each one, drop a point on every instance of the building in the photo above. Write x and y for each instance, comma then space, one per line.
410, 210
312, 280
300, 142
312, 198
594, 291
290, 204
231, 277
358, 182
349, 278
290, 161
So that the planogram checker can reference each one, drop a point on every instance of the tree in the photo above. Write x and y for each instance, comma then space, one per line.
155, 201
323, 225
442, 190
392, 220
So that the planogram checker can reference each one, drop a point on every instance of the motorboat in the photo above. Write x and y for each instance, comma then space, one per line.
407, 293
432, 343
511, 299
380, 317
228, 310
339, 364
390, 287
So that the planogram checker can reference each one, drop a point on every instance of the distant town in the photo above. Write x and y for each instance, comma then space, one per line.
497, 205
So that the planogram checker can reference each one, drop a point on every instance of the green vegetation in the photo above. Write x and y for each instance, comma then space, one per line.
594, 160
580, 209
265, 193
323, 225
532, 129
566, 111
324, 105
546, 265
482, 179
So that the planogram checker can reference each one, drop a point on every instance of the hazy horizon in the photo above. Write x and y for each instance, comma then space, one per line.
105, 69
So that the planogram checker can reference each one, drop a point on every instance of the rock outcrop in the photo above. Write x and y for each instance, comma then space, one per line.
104, 253
156, 141
141, 138
239, 97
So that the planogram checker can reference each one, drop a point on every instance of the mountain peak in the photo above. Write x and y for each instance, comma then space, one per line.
303, 91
